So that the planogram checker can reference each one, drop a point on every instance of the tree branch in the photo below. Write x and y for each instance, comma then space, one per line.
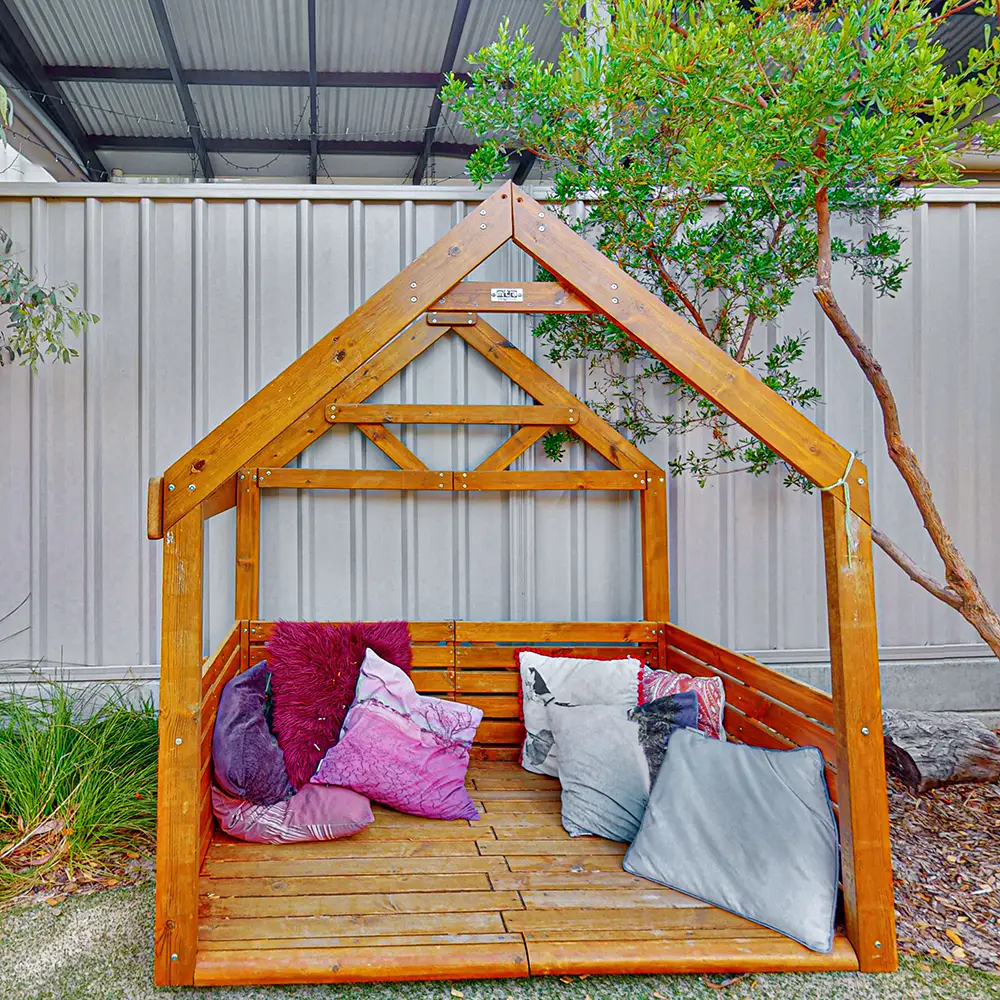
676, 289
940, 590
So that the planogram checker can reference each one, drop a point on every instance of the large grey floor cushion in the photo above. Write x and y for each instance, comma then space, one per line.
748, 830
608, 759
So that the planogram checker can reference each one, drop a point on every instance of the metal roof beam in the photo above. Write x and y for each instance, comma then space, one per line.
447, 65
523, 168
250, 77
22, 62
166, 34
313, 95
278, 145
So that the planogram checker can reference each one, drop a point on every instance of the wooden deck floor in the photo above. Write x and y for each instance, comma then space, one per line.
510, 895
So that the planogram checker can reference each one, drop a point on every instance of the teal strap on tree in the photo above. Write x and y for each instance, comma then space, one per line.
845, 482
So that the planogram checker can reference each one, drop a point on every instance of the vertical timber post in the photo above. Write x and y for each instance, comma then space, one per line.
655, 558
861, 785
178, 819
247, 544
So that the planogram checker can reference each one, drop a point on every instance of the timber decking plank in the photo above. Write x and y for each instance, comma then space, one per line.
376, 902
346, 848
551, 863
534, 881
736, 954
622, 918
648, 896
326, 965
364, 924
357, 941
576, 845
330, 885
527, 633
321, 867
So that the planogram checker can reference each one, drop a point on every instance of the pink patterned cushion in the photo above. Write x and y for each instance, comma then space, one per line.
317, 812
403, 749
710, 691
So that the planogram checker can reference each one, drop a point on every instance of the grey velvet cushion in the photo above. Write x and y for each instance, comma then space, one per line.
748, 830
608, 757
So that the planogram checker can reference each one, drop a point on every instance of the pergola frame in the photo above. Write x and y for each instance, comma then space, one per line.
329, 383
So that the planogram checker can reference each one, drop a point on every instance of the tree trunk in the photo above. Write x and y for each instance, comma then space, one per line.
929, 749
961, 589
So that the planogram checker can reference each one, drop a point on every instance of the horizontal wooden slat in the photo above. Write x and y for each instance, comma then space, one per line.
349, 965
519, 807
743, 954
489, 655
490, 796
504, 733
622, 918
802, 697
569, 479
355, 924
512, 296
651, 896
398, 413
394, 902
355, 479
499, 753
564, 633
420, 632
486, 682
495, 706
797, 728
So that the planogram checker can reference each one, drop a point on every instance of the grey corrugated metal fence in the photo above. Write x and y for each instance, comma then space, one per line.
206, 293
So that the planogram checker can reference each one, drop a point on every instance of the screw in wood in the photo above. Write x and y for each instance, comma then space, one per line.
541, 229
191, 487
482, 225
178, 741
864, 730
171, 487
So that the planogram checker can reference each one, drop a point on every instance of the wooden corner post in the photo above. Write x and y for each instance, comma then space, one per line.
177, 837
869, 903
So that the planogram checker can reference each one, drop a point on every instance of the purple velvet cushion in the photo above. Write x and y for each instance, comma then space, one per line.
314, 667
248, 762
317, 812
403, 749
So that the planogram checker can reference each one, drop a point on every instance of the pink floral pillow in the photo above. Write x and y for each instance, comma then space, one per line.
315, 812
403, 749
710, 691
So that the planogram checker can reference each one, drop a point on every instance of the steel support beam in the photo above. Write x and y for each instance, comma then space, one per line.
23, 63
301, 147
447, 65
313, 95
250, 77
524, 166
159, 12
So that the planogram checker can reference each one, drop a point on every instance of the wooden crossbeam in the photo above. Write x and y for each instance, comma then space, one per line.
511, 297
390, 445
431, 479
570, 479
354, 479
396, 413
515, 446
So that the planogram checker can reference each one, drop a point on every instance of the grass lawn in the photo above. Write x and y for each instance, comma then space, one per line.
101, 946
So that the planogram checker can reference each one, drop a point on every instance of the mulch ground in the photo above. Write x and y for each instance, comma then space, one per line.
946, 863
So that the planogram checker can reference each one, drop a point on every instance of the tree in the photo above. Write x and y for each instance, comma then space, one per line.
725, 152
38, 315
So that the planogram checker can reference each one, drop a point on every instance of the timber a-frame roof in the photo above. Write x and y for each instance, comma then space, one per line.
347, 364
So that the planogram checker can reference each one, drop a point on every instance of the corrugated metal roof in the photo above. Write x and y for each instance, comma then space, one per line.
385, 113
959, 34
126, 108
241, 34
403, 36
253, 112
92, 32
484, 21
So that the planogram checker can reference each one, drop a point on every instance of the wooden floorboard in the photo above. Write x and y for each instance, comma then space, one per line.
508, 894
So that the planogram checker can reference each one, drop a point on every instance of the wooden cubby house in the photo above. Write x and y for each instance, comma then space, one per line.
510, 895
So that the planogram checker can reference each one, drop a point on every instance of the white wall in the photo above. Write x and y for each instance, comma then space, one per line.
203, 299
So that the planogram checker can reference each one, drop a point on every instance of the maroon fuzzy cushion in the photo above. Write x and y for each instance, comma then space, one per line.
314, 671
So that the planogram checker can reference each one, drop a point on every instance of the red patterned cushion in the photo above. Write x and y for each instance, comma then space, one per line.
710, 691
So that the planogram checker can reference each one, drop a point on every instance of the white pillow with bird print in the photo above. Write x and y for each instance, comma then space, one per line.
568, 681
